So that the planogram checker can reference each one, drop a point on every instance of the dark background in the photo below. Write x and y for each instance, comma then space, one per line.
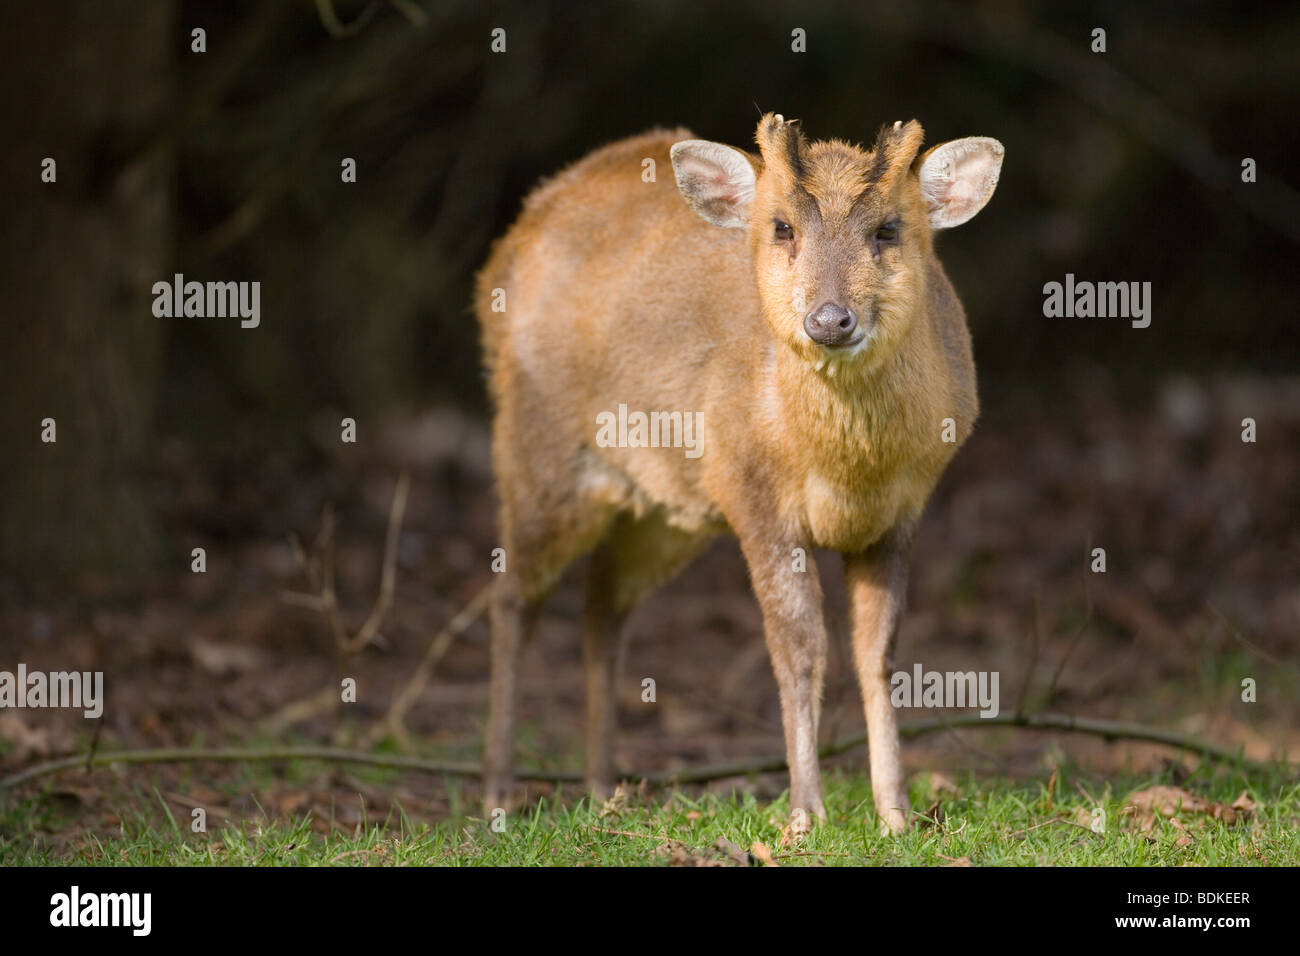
225, 165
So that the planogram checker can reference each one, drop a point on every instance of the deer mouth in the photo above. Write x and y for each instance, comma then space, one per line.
851, 343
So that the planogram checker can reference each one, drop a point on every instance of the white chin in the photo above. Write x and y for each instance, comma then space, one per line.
829, 359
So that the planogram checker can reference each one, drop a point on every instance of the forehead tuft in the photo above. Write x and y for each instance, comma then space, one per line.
837, 175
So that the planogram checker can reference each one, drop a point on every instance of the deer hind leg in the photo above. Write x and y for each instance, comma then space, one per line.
636, 556
541, 535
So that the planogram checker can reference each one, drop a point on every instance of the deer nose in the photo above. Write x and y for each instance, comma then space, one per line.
830, 324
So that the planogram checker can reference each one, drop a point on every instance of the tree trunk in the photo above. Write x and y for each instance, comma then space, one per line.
79, 82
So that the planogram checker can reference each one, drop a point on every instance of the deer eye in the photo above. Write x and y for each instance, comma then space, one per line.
783, 231
888, 232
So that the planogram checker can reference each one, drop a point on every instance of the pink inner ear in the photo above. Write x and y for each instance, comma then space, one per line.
715, 180
961, 186
959, 193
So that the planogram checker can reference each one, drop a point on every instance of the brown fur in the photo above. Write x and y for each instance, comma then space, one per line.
617, 292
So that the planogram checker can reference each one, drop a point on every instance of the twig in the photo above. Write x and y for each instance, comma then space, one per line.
336, 28
1109, 729
983, 755
1251, 646
1068, 723
388, 576
1069, 651
319, 570
94, 744
311, 602
1023, 697
300, 710
413, 13
395, 721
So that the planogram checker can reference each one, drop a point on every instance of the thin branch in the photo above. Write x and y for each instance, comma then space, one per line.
1069, 651
395, 721
322, 702
413, 13
1108, 729
335, 27
1023, 699
311, 602
319, 571
388, 576
1249, 645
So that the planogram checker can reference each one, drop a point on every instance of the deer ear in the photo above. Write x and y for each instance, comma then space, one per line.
958, 178
717, 181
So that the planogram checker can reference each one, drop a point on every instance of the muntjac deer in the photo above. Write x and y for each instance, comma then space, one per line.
791, 306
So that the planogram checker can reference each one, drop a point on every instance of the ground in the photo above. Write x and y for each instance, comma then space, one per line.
1199, 594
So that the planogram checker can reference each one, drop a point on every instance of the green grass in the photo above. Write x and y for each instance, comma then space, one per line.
989, 822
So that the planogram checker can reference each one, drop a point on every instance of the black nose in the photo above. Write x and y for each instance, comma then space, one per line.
830, 324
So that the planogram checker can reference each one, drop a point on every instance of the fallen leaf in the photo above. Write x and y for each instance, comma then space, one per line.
1143, 807
763, 854
615, 805
1245, 804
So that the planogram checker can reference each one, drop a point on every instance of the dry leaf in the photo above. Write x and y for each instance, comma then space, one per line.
1245, 805
615, 805
763, 854
1144, 806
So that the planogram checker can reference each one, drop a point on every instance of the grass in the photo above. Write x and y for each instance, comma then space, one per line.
989, 822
